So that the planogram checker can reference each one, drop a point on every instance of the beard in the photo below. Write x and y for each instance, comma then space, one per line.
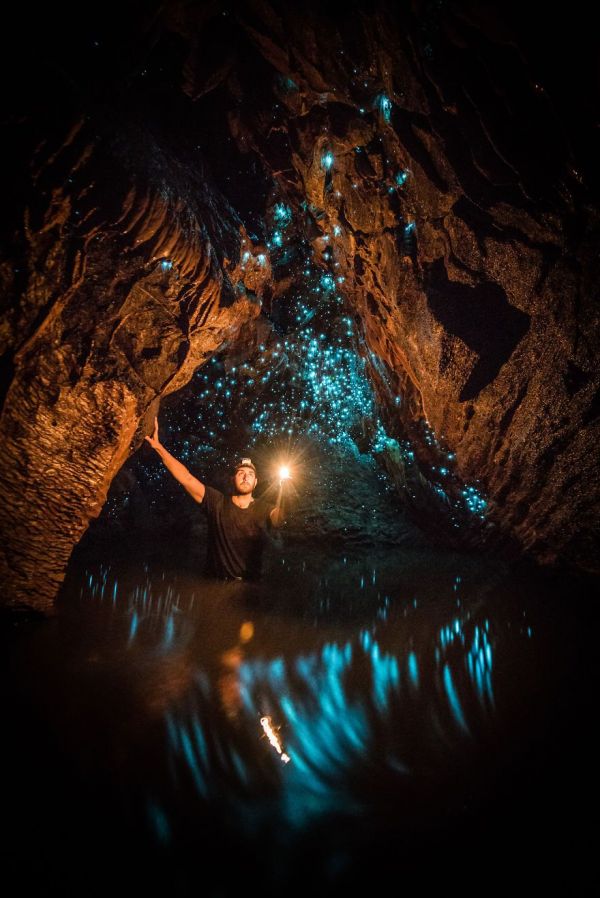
244, 488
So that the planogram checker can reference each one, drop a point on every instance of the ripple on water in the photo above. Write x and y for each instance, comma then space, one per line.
348, 711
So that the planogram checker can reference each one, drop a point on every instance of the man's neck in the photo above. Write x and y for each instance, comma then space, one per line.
242, 500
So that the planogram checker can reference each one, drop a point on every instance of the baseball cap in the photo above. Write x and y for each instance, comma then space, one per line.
244, 463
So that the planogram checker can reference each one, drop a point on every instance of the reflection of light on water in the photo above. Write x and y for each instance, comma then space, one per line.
273, 738
246, 631
455, 704
413, 669
191, 744
477, 659
159, 821
133, 627
361, 707
479, 662
332, 726
169, 631
154, 618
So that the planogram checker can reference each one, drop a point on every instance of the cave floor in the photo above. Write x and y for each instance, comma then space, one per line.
382, 714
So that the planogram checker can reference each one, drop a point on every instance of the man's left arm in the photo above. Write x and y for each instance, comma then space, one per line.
276, 515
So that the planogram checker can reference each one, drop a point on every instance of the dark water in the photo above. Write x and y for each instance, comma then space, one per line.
389, 719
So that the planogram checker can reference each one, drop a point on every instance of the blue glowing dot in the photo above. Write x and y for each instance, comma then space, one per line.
327, 161
166, 264
384, 104
288, 85
282, 214
473, 501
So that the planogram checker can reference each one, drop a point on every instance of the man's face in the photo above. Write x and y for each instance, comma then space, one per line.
245, 480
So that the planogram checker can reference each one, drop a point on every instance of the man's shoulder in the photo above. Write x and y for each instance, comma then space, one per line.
212, 497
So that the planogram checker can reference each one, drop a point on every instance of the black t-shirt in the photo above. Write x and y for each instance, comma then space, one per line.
236, 536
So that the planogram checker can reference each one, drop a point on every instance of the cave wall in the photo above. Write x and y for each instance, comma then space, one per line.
436, 176
124, 282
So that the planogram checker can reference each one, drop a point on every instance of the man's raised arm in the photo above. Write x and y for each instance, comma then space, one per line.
276, 514
194, 487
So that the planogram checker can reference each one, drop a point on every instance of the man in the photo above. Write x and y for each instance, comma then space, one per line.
237, 524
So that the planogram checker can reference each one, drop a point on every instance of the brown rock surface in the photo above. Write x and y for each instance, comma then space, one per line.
121, 302
472, 279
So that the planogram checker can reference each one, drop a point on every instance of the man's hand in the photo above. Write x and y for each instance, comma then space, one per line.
276, 516
153, 440
194, 486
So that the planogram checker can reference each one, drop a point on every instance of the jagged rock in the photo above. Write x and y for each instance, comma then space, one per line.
121, 302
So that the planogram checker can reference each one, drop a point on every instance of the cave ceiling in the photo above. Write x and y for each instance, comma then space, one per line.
387, 213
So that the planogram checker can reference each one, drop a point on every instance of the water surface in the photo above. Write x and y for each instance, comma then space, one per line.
393, 715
